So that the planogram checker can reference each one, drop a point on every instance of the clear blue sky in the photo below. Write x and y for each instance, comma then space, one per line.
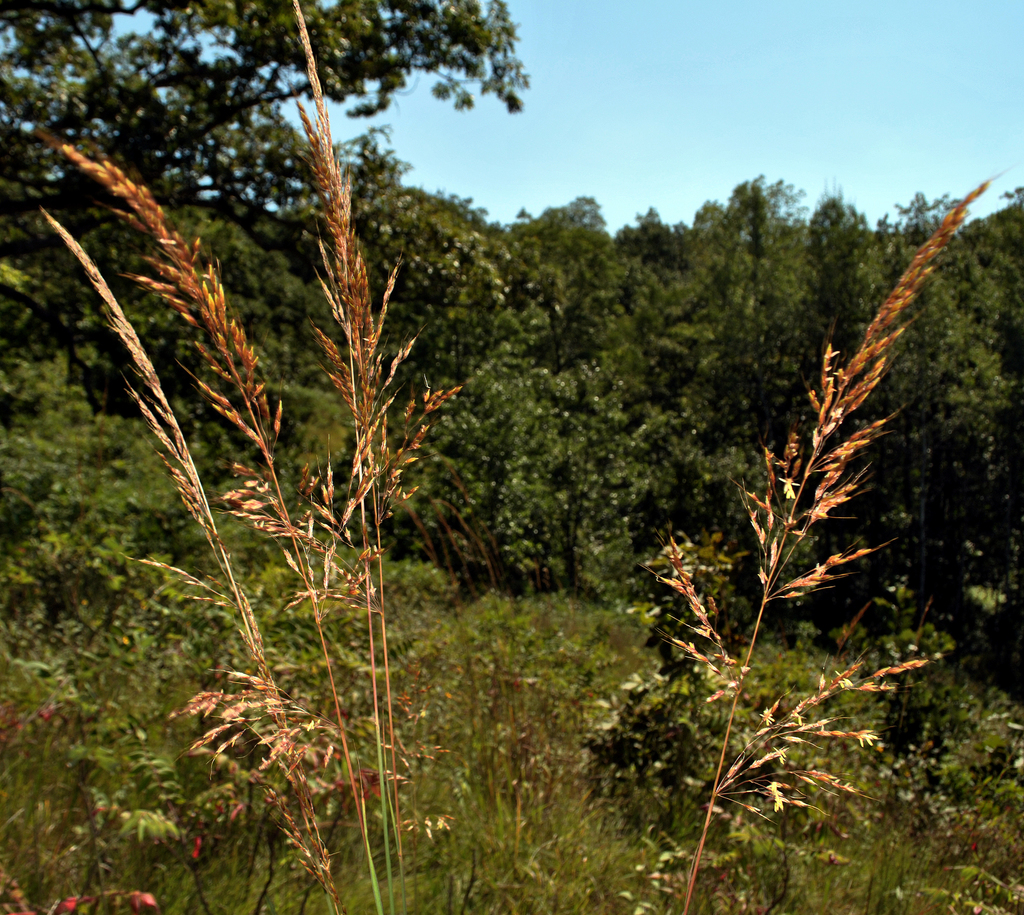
670, 104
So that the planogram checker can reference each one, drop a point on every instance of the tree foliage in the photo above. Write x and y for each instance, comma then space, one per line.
190, 96
190, 93
616, 386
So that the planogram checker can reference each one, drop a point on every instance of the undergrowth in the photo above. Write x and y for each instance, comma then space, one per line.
514, 813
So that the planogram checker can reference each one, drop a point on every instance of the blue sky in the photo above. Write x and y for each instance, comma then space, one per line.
670, 104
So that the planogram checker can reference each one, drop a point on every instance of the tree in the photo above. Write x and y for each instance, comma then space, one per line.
569, 269
190, 96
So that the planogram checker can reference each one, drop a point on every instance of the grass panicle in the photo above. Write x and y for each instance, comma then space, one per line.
328, 523
814, 476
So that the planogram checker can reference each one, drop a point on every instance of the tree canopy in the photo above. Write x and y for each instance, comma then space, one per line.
189, 93
189, 96
616, 386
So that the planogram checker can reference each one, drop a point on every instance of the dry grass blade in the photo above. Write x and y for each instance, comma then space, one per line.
805, 485
309, 537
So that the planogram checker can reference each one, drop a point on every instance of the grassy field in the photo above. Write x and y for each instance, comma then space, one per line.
514, 803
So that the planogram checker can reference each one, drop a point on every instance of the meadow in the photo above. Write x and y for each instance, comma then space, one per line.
551, 768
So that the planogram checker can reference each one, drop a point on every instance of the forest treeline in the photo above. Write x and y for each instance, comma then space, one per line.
616, 388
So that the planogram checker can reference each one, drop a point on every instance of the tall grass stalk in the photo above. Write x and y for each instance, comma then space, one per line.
329, 522
813, 477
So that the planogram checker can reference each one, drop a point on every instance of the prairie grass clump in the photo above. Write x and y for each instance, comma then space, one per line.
331, 539
813, 477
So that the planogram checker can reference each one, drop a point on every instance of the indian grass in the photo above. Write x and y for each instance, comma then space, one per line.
813, 477
330, 522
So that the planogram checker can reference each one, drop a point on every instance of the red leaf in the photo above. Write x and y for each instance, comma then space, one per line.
137, 900
71, 903
196, 846
370, 781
